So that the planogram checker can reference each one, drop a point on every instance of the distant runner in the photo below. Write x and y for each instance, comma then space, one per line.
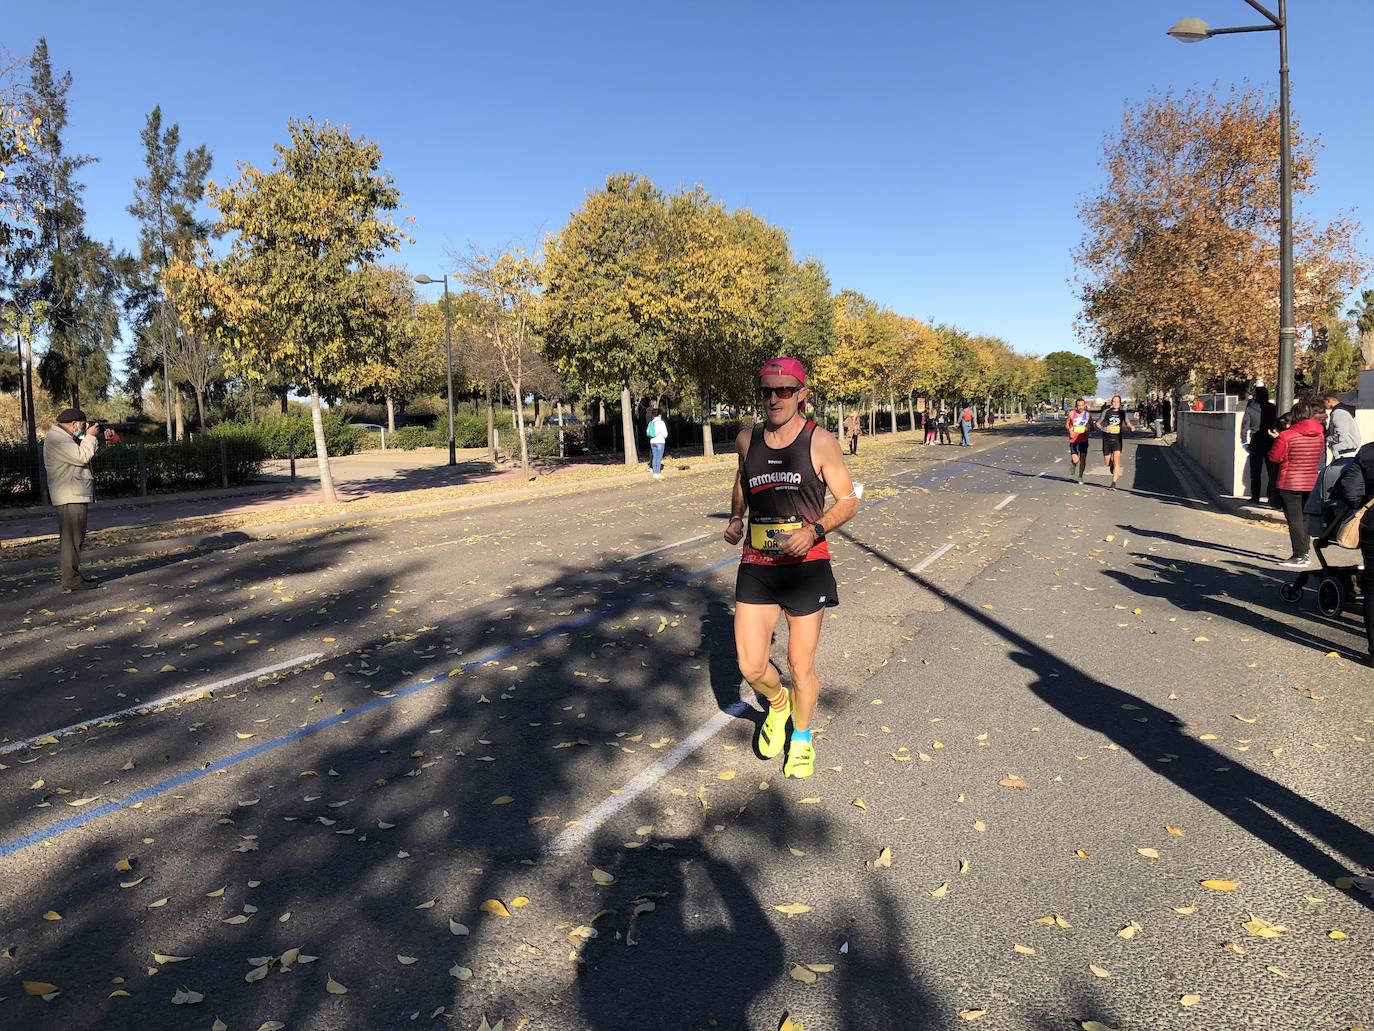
785, 469
1112, 419
1079, 424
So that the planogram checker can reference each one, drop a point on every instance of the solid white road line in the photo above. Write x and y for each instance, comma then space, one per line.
180, 696
668, 547
1004, 503
934, 556
584, 828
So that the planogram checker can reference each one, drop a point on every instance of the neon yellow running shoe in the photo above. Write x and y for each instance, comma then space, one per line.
801, 760
772, 732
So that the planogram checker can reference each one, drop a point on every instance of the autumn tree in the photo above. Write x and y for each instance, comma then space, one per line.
302, 233
728, 274
201, 303
403, 361
1178, 267
508, 283
604, 313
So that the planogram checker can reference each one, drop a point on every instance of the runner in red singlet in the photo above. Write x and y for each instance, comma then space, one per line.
785, 469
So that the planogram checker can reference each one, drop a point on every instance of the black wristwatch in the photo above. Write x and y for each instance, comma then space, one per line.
818, 530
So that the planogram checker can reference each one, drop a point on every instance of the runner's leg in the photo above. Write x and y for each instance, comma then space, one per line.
803, 634
753, 641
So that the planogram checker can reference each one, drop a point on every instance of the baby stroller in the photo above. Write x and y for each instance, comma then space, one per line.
1338, 587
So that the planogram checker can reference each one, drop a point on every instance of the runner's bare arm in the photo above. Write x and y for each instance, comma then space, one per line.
829, 462
734, 529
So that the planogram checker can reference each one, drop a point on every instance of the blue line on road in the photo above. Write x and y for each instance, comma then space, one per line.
37, 837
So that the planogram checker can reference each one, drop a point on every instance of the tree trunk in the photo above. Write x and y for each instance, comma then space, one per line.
540, 412
327, 493
520, 428
873, 415
892, 404
840, 433
200, 408
285, 392
491, 426
627, 427
708, 444
390, 414
911, 410
176, 412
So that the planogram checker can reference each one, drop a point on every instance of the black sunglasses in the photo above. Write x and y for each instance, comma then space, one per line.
782, 392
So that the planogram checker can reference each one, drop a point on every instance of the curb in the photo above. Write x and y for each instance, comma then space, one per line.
233, 538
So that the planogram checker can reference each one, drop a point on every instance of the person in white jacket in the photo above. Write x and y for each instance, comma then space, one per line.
657, 432
67, 452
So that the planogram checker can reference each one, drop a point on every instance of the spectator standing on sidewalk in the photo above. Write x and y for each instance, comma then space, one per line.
965, 426
929, 418
1298, 452
942, 425
1356, 489
1261, 416
657, 432
1342, 435
853, 426
67, 452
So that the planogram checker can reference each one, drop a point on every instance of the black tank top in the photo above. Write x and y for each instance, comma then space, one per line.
783, 493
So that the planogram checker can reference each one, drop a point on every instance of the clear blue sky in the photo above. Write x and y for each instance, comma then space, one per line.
929, 153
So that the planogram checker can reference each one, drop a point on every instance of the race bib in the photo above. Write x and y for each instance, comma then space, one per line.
1111, 427
766, 532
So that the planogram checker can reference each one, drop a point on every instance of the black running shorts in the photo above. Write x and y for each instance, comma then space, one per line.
1079, 447
1111, 442
800, 588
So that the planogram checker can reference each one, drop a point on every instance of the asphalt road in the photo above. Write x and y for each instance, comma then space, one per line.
407, 719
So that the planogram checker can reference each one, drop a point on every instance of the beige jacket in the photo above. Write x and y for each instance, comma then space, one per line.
68, 462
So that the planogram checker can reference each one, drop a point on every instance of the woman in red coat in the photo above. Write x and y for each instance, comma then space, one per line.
1298, 453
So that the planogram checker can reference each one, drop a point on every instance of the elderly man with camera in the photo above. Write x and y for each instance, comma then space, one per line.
67, 452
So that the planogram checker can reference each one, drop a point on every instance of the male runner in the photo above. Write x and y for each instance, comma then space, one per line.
1079, 424
1111, 420
785, 469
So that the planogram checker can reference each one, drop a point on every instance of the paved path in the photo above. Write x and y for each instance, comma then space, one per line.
416, 717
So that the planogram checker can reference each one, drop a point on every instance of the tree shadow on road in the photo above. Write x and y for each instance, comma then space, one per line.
1255, 803
1193, 587
360, 845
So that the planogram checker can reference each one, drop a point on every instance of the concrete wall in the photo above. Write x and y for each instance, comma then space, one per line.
1212, 439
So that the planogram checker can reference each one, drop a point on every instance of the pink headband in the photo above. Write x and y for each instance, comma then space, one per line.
784, 367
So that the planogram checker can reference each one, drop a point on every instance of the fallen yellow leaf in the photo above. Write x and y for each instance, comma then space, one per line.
494, 907
1214, 885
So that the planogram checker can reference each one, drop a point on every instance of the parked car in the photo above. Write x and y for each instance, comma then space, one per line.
567, 419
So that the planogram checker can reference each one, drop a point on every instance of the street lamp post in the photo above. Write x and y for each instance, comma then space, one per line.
448, 359
1195, 30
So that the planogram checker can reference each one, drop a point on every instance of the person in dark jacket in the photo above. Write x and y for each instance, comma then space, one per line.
1298, 452
1261, 416
1355, 488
